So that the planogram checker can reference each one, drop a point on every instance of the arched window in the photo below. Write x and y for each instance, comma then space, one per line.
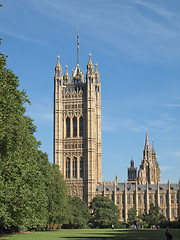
74, 127
81, 126
67, 127
74, 167
81, 167
68, 167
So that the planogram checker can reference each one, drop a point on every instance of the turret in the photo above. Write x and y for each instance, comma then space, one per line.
58, 72
96, 73
66, 76
132, 173
153, 152
90, 66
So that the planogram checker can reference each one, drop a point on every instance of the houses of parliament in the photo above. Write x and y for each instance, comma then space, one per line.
77, 149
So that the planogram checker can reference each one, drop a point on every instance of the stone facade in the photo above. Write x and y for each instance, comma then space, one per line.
77, 150
126, 195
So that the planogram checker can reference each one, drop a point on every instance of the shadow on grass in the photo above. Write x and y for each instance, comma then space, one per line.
120, 235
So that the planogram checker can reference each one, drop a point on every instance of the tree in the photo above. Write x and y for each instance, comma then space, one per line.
132, 215
32, 192
23, 194
104, 212
57, 197
78, 215
153, 217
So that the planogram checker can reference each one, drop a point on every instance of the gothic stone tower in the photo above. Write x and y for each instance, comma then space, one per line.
77, 129
149, 170
132, 173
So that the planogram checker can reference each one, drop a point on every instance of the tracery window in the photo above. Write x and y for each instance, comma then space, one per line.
74, 127
67, 127
81, 167
81, 126
68, 167
74, 167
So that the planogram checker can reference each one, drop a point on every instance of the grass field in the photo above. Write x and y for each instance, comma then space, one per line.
97, 234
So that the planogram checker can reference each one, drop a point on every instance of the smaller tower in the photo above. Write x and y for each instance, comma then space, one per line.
149, 170
132, 173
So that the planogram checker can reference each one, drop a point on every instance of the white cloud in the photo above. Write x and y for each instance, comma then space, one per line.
20, 36
158, 9
173, 105
130, 30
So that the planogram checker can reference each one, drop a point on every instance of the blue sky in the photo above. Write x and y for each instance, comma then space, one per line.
136, 44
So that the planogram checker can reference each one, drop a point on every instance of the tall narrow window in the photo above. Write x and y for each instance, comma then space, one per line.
161, 199
128, 199
74, 127
150, 199
81, 167
67, 127
68, 168
74, 167
81, 126
172, 198
117, 199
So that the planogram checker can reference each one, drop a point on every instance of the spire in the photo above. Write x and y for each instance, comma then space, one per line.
66, 76
147, 141
77, 47
77, 75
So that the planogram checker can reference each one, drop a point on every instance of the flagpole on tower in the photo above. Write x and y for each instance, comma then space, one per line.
77, 47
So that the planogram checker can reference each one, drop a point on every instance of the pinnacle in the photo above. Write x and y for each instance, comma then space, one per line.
90, 62
58, 63
147, 141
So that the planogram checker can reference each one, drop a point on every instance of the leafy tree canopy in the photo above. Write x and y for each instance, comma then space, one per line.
104, 212
78, 215
132, 215
153, 217
32, 192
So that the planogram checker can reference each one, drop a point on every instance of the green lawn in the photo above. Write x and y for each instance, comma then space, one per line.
97, 234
